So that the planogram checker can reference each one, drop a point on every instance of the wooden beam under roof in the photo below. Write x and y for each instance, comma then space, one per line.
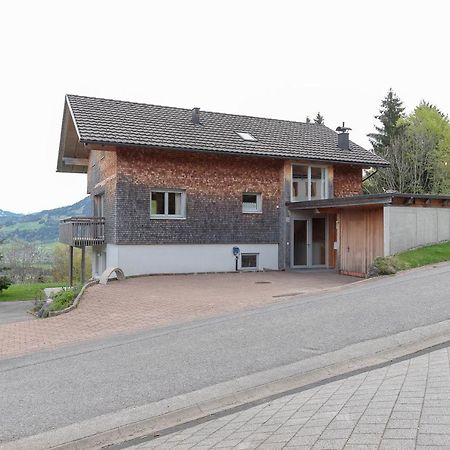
76, 161
100, 147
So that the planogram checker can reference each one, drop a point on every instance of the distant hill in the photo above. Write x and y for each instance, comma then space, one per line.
42, 227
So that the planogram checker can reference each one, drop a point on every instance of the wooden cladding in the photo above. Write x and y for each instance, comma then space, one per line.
82, 231
361, 239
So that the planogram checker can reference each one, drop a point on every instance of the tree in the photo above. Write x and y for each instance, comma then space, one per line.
60, 264
419, 155
319, 119
308, 120
391, 111
5, 281
25, 261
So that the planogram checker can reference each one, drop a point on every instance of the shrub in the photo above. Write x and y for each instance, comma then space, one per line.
64, 299
5, 283
386, 265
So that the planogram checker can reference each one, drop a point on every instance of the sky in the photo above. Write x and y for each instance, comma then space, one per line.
279, 59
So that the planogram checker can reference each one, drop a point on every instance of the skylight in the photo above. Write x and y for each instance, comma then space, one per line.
246, 136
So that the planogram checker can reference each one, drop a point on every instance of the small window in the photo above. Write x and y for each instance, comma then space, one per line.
246, 136
167, 204
251, 202
249, 261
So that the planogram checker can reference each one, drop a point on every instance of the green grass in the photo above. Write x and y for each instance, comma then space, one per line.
24, 291
431, 254
422, 256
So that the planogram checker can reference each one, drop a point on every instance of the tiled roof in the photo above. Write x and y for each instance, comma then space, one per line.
116, 122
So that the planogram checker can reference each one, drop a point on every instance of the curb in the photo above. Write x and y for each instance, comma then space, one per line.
134, 425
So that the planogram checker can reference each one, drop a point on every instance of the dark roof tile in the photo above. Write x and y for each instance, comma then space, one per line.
125, 123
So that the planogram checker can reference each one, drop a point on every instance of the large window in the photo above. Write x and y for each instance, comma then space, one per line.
309, 183
170, 204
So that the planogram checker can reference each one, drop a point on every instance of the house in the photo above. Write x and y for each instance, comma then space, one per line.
180, 191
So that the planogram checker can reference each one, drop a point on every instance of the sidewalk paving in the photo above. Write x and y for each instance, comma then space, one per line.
405, 405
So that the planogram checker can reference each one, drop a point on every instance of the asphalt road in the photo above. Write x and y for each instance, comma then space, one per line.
15, 311
52, 389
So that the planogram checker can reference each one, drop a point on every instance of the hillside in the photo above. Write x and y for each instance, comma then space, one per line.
42, 226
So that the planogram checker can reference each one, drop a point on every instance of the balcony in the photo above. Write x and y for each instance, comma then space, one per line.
82, 231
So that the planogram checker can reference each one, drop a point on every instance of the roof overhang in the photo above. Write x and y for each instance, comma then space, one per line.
73, 156
359, 201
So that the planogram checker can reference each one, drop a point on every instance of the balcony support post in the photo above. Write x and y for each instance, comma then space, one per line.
70, 266
83, 264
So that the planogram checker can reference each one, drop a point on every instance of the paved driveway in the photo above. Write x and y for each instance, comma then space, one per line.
157, 301
15, 311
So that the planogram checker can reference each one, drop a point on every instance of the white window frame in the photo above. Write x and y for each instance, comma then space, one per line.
257, 261
325, 181
166, 214
258, 209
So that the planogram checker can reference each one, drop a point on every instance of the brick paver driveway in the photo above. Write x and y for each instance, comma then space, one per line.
156, 301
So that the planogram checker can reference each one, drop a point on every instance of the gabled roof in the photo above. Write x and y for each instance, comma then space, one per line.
113, 122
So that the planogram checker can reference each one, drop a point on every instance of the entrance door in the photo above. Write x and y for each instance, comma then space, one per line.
301, 243
310, 242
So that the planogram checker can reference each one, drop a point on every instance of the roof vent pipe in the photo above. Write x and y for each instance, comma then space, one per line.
343, 137
196, 116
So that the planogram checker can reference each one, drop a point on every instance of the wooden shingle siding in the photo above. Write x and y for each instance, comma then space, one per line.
214, 185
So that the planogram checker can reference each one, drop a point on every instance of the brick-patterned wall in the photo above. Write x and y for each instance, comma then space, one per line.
101, 177
214, 185
347, 180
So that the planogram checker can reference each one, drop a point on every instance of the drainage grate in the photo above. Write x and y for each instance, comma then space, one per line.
263, 282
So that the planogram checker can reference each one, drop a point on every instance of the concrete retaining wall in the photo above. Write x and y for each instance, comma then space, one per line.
407, 227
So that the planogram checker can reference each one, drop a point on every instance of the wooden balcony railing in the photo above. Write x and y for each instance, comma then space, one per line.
82, 231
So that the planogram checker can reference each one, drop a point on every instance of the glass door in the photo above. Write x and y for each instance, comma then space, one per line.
310, 242
318, 241
300, 243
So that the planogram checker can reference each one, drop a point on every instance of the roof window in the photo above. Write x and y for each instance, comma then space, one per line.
246, 136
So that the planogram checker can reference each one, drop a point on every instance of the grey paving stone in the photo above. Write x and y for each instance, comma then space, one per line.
433, 439
331, 444
400, 433
365, 438
397, 444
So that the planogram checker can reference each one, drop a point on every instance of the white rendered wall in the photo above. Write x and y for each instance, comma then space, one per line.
151, 259
407, 227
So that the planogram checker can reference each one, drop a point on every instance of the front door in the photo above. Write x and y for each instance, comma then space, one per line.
309, 242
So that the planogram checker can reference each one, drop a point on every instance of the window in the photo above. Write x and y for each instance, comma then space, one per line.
246, 136
167, 204
249, 261
251, 202
309, 183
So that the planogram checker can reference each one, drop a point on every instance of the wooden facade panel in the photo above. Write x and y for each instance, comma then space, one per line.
361, 239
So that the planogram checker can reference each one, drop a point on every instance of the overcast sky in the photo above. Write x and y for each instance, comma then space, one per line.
281, 59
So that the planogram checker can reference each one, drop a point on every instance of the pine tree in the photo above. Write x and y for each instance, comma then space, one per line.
391, 111
319, 119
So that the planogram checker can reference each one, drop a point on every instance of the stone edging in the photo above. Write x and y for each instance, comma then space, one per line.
75, 302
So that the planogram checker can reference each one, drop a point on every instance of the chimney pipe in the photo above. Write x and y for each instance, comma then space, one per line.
343, 137
196, 116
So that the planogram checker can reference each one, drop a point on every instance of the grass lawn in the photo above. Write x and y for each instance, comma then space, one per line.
24, 291
430, 254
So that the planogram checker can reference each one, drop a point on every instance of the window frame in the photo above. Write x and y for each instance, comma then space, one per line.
258, 209
256, 267
326, 190
166, 192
